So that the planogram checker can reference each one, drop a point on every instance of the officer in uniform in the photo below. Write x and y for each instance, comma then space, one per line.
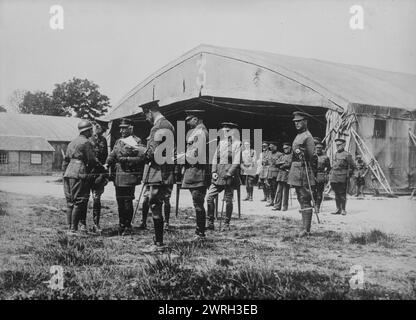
248, 168
342, 169
127, 157
273, 169
161, 172
262, 170
196, 172
303, 149
283, 188
225, 172
100, 177
360, 172
322, 170
77, 164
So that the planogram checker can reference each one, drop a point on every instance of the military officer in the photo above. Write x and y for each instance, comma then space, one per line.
342, 168
272, 159
248, 168
322, 170
196, 173
225, 172
303, 148
283, 188
127, 157
262, 170
100, 177
161, 172
77, 164
360, 172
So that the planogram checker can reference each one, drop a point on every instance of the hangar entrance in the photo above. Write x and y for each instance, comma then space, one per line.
273, 118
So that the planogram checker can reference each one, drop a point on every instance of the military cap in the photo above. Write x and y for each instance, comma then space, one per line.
152, 105
228, 125
287, 144
193, 113
340, 140
273, 142
358, 156
125, 123
84, 125
319, 143
316, 139
264, 143
298, 115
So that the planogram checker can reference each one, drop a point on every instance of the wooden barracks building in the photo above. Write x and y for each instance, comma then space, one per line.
33, 144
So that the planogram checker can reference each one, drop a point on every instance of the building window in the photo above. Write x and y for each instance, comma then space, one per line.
4, 157
35, 158
379, 128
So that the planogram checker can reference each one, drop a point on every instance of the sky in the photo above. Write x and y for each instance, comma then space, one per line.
117, 44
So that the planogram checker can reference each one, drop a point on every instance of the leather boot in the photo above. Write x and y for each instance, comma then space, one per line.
69, 210
158, 225
145, 211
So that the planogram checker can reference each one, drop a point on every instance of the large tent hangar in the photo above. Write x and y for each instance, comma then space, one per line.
374, 110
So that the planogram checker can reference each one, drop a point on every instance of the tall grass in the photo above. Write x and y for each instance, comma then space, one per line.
374, 237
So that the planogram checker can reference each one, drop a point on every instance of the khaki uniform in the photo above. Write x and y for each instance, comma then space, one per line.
249, 170
263, 169
283, 187
226, 163
359, 176
298, 177
342, 168
196, 175
272, 173
322, 171
77, 165
128, 162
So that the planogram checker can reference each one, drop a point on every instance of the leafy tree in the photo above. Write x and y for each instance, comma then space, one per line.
15, 99
41, 102
3, 109
81, 97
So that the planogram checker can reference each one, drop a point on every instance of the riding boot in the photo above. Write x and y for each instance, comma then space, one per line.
158, 225
166, 210
69, 210
228, 213
200, 221
145, 212
307, 220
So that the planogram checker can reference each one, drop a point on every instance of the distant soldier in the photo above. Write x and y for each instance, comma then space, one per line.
262, 170
127, 158
161, 172
248, 168
303, 150
272, 171
99, 176
283, 188
322, 170
342, 168
196, 174
225, 172
360, 172
77, 164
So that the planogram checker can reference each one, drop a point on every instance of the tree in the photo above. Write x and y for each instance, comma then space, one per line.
15, 99
3, 109
41, 102
81, 97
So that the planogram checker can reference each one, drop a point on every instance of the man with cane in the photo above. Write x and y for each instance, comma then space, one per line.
301, 175
342, 169
225, 172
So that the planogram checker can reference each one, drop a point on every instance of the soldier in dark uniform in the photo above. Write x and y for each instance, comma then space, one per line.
263, 168
322, 170
127, 157
283, 188
225, 172
360, 172
248, 168
303, 149
77, 164
272, 171
196, 172
342, 168
99, 177
161, 172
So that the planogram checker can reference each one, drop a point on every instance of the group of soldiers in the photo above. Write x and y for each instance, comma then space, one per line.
302, 165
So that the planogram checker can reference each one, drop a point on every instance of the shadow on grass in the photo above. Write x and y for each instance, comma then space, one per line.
375, 237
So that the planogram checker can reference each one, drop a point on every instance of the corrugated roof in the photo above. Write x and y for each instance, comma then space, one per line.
327, 84
49, 127
24, 143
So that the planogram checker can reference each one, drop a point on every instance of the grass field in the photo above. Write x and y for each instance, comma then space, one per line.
260, 258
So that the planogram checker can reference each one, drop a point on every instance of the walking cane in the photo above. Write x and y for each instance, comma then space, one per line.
310, 190
222, 210
146, 172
